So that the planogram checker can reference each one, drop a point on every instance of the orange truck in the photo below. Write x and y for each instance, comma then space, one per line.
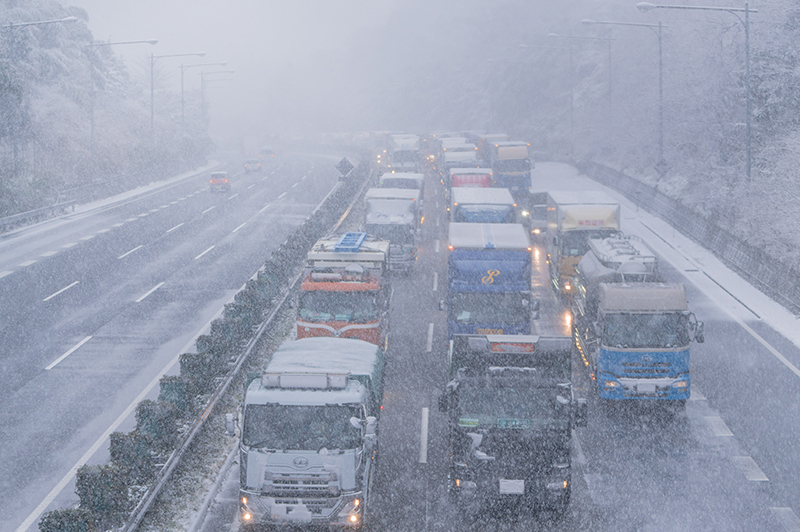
345, 291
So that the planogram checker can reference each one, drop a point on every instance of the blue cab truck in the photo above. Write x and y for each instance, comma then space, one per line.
489, 280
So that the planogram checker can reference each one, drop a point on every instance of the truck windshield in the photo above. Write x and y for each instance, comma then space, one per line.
471, 307
399, 234
512, 165
495, 214
352, 307
646, 330
399, 182
576, 243
507, 405
300, 427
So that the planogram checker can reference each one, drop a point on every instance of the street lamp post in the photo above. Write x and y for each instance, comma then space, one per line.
153, 59
647, 6
661, 166
91, 103
203, 88
183, 69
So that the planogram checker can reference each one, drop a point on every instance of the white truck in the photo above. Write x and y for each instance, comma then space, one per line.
393, 214
308, 435
573, 217
404, 152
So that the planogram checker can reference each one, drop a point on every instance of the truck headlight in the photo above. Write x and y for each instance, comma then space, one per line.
351, 513
525, 213
611, 384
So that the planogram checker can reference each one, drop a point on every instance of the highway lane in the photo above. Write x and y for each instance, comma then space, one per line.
151, 275
726, 462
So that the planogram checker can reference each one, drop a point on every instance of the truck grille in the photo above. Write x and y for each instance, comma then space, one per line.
306, 484
637, 368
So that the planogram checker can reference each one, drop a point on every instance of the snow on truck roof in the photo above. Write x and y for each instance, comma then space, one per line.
488, 236
481, 196
653, 297
573, 197
462, 171
325, 355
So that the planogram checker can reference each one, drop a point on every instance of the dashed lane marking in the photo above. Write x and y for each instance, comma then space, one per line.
203, 253
435, 281
49, 253
429, 346
749, 468
87, 237
27, 263
718, 426
436, 245
68, 353
156, 287
51, 296
787, 518
67, 246
245, 223
205, 211
171, 230
3, 274
129, 252
423, 437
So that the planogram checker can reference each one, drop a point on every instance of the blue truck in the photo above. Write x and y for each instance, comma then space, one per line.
489, 279
632, 329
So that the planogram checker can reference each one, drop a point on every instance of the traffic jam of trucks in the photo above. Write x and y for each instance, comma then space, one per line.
308, 424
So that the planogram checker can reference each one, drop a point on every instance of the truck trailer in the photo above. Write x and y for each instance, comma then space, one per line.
489, 280
477, 205
345, 290
393, 214
572, 219
511, 411
308, 434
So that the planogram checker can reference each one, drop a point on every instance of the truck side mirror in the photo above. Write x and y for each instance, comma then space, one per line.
441, 304
230, 425
699, 333
581, 413
443, 402
371, 428
535, 310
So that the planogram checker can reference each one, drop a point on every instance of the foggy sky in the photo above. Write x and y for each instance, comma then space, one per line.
290, 58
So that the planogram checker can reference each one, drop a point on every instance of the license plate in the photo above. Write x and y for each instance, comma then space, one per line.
512, 487
647, 387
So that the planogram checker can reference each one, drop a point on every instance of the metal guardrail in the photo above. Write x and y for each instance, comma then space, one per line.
174, 459
774, 276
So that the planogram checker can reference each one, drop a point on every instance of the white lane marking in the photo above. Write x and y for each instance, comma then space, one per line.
294, 185
264, 208
173, 202
251, 186
437, 222
163, 206
182, 199
282, 195
153, 210
103, 439
171, 230
749, 468
695, 394
27, 263
423, 437
3, 274
718, 426
144, 214
429, 347
230, 198
131, 219
239, 227
205, 211
436, 245
68, 353
203, 253
101, 231
87, 237
265, 178
579, 456
67, 246
129, 252
435, 280
787, 518
119, 224
51, 296
156, 287
49, 253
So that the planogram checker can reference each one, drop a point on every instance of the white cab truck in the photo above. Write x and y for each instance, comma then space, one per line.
572, 219
404, 152
483, 205
308, 435
393, 214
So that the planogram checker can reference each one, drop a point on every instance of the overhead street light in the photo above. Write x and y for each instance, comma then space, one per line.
661, 166
39, 22
91, 111
183, 69
153, 59
647, 6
